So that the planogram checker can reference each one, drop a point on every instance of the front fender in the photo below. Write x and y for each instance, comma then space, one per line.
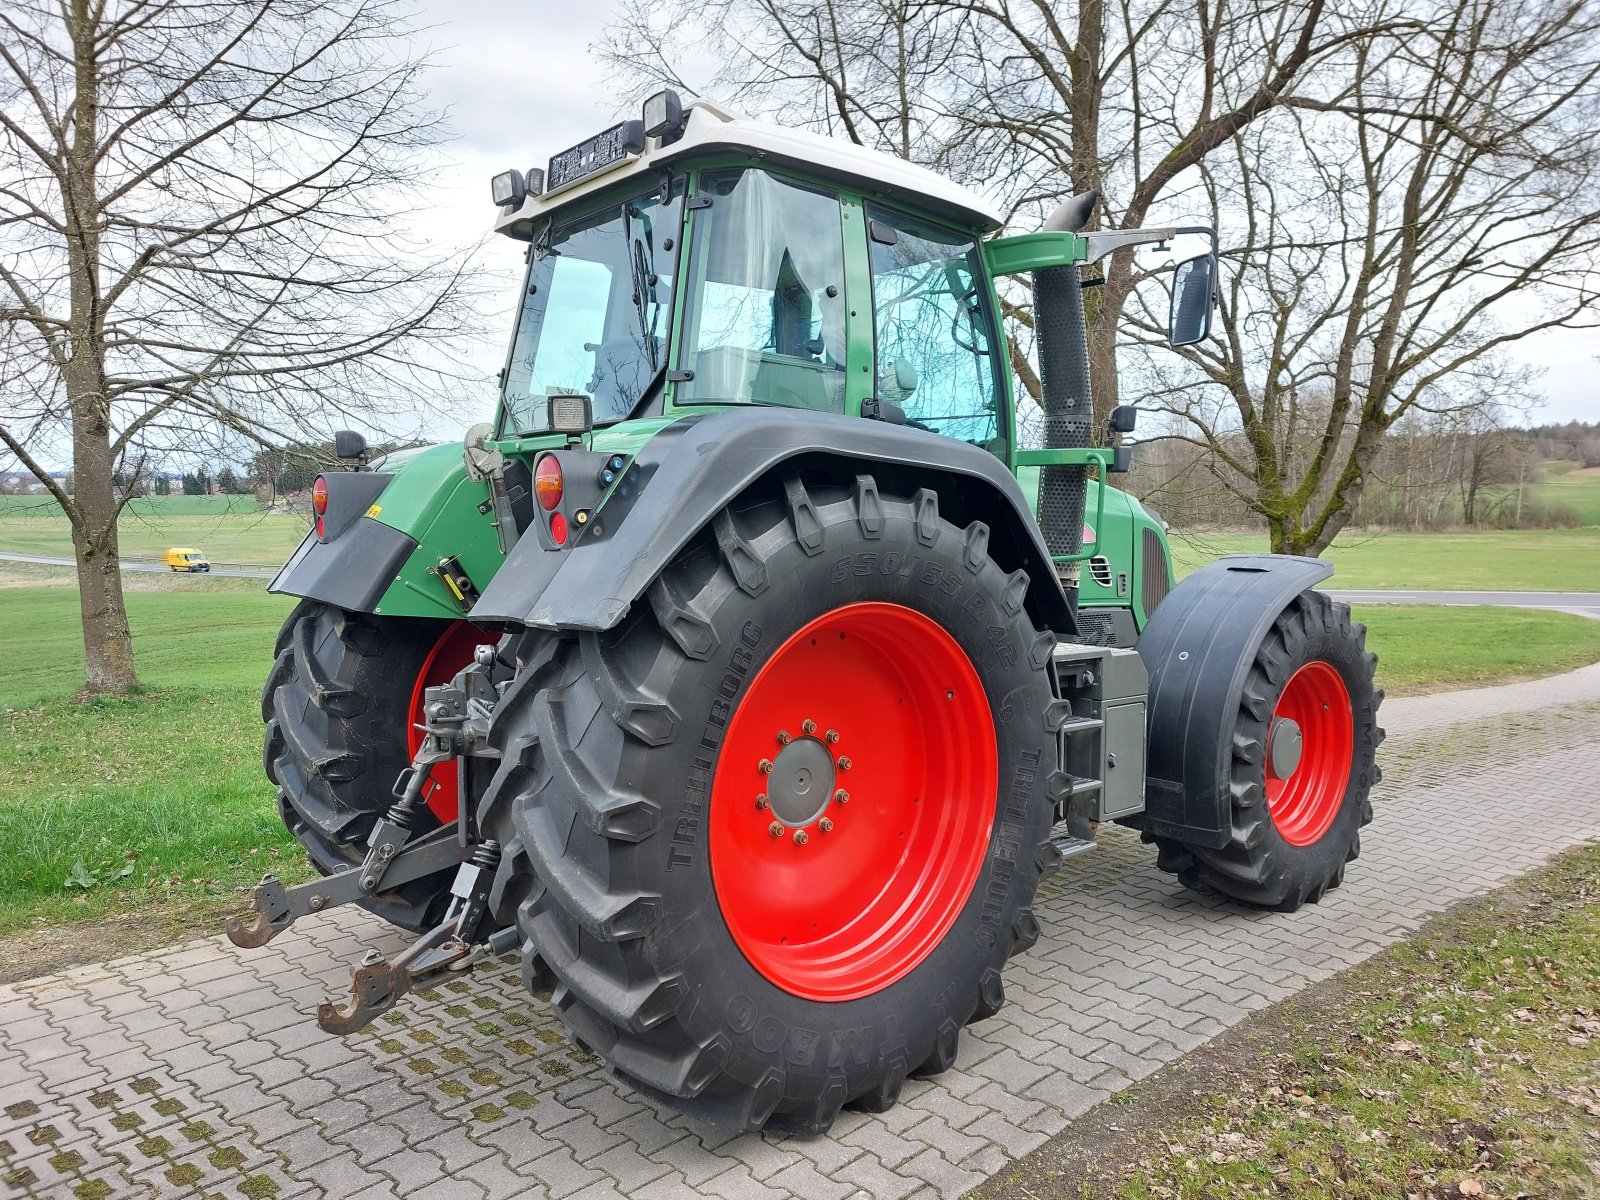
696, 466
1198, 648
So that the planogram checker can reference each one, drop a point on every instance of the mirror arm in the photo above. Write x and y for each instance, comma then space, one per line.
1098, 245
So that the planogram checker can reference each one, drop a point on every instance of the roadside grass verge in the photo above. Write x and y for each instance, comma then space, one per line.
1427, 648
141, 802
232, 529
1511, 560
1462, 1063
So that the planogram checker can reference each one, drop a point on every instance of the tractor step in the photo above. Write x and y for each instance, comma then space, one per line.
1081, 725
1071, 846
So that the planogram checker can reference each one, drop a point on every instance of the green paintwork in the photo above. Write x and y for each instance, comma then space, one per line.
432, 500
1033, 251
1119, 532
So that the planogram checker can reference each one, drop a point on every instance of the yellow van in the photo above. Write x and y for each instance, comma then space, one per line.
186, 558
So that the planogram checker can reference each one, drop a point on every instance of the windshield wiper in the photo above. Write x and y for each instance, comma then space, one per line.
643, 290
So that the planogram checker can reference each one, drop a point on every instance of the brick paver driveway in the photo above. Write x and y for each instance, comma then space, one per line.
200, 1071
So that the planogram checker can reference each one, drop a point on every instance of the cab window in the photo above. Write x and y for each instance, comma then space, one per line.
764, 322
935, 347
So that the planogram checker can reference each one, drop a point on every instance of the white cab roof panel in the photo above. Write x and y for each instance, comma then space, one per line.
711, 128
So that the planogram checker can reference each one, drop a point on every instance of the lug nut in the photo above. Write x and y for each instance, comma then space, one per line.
761, 800
765, 766
842, 796
808, 726
783, 737
826, 824
832, 735
776, 829
844, 762
801, 837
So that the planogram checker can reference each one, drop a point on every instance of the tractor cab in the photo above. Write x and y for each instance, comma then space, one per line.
714, 261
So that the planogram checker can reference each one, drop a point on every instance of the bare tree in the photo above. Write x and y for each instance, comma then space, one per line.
1393, 243
1028, 99
200, 213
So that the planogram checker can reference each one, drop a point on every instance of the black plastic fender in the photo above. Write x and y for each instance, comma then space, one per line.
1197, 649
690, 470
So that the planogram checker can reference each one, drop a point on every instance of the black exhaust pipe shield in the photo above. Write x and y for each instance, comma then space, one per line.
1063, 348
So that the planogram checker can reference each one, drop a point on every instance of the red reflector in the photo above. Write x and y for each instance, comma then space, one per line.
547, 482
319, 528
558, 529
319, 496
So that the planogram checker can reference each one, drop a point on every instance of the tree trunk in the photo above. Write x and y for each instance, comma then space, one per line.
107, 643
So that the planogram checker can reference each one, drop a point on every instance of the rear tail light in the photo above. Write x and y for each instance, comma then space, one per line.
558, 529
547, 483
319, 500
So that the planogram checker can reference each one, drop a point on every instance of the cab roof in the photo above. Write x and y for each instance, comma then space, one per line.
711, 129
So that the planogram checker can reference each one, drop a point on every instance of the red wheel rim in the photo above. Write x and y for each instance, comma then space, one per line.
450, 653
1305, 803
880, 702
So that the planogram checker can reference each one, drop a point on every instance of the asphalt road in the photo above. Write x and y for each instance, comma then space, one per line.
151, 568
1586, 603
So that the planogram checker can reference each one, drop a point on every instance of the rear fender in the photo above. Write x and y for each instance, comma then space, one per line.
687, 473
385, 533
1198, 648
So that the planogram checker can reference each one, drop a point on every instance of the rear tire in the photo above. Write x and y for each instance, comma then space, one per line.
625, 778
338, 709
1292, 836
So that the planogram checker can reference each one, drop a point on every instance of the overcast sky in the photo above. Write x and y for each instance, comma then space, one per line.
520, 83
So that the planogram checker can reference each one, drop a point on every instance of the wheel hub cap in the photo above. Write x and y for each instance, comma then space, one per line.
1284, 745
801, 782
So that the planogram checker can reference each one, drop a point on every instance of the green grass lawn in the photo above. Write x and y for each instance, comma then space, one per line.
230, 529
167, 785
1428, 649
1550, 560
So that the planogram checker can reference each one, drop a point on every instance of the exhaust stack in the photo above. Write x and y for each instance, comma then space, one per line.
1063, 347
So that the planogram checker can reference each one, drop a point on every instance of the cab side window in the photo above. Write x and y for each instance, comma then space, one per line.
765, 320
936, 350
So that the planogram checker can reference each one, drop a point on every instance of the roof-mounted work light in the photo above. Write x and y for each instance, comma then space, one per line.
508, 187
663, 115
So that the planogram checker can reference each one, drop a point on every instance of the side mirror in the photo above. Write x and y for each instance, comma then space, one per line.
347, 443
1123, 418
1121, 460
1193, 284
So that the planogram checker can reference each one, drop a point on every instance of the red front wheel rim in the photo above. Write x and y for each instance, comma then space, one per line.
450, 653
1307, 782
852, 801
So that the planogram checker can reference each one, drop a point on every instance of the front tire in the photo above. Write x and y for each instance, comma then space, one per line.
762, 979
1304, 764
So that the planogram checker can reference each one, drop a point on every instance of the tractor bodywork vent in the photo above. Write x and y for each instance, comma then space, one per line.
1100, 570
1155, 584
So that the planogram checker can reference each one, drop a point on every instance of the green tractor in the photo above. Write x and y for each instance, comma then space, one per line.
747, 675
